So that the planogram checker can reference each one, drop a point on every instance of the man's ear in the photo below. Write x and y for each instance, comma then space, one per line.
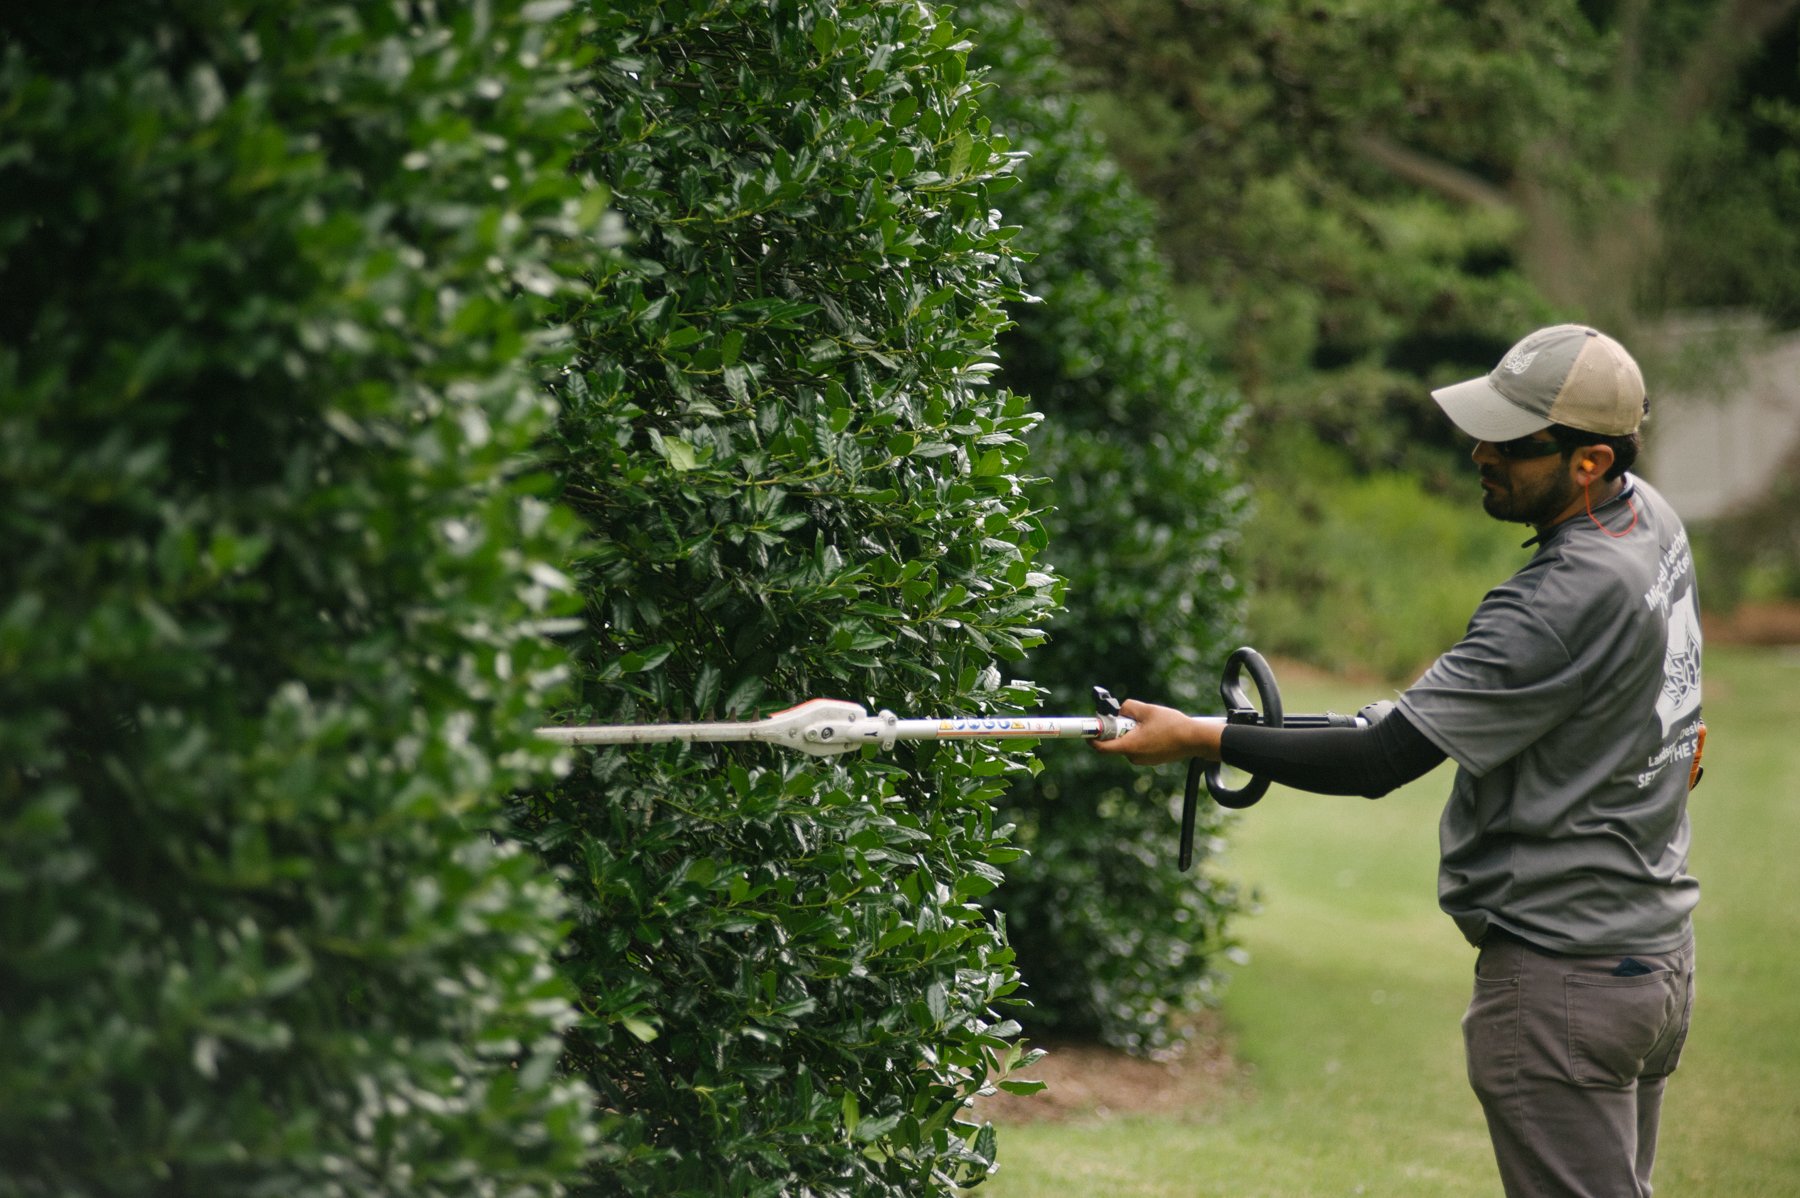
1592, 462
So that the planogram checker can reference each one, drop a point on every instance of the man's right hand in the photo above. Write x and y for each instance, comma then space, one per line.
1164, 735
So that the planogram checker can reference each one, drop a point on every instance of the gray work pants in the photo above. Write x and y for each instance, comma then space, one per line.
1568, 1056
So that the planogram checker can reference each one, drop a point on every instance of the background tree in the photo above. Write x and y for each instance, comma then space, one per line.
1352, 229
796, 479
1284, 147
274, 283
1362, 203
1678, 189
1143, 499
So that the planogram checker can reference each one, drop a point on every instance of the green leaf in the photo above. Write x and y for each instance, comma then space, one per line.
870, 1130
960, 149
645, 659
737, 383
1023, 1087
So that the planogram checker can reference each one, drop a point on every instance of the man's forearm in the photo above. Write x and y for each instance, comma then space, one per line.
1368, 761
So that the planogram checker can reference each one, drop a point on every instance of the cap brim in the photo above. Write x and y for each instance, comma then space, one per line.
1479, 410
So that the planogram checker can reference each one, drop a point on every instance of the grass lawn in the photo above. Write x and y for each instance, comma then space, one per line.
1346, 1017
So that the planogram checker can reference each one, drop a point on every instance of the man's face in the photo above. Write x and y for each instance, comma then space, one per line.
1535, 490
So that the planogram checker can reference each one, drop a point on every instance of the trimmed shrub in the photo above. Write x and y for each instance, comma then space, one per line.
268, 652
1139, 443
797, 481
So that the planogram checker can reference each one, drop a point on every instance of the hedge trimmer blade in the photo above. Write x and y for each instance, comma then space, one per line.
829, 727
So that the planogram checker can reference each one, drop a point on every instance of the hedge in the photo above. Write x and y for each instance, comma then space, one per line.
275, 282
797, 480
1140, 444
292, 522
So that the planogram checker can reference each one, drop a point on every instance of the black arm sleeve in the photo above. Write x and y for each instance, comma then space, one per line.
1368, 761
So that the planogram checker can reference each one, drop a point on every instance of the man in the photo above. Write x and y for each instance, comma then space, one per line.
1572, 710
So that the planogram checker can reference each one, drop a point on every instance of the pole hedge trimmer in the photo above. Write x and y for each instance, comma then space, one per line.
830, 727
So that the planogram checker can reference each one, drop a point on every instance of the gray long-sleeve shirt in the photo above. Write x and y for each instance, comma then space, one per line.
1572, 708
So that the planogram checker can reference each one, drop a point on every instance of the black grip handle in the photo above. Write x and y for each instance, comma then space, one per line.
1190, 800
1240, 710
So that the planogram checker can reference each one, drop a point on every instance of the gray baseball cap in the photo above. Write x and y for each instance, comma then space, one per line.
1567, 374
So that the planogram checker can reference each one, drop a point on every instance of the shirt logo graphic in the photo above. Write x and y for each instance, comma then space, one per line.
1680, 696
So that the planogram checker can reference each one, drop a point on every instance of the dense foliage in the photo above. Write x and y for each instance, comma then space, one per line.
267, 644
1138, 443
797, 480
1315, 172
283, 555
1730, 167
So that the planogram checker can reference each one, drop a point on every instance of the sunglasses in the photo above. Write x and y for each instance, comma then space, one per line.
1523, 449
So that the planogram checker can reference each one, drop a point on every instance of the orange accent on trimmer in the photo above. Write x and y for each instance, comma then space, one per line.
1695, 772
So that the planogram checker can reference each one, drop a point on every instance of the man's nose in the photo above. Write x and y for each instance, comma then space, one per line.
1484, 454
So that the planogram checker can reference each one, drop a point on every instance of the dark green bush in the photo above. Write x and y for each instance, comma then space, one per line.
1138, 442
797, 481
267, 644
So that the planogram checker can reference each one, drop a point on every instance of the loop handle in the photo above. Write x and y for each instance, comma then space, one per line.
1266, 711
1239, 709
